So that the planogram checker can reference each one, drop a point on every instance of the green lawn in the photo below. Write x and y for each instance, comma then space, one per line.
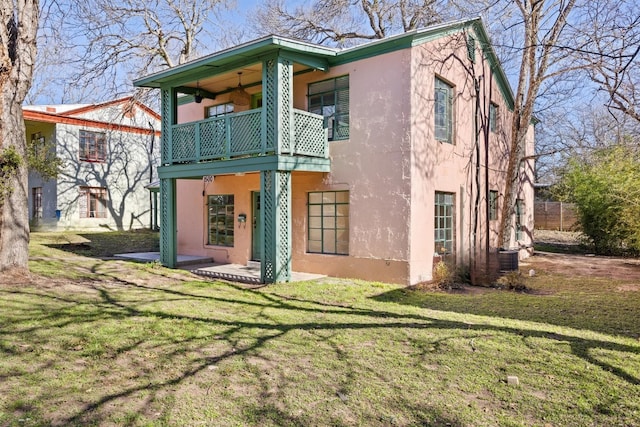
88, 341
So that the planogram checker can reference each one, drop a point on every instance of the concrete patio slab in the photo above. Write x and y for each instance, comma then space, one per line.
183, 260
244, 274
204, 266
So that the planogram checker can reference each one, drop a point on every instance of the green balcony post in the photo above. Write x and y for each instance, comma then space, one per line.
168, 223
276, 220
277, 116
227, 139
197, 141
168, 105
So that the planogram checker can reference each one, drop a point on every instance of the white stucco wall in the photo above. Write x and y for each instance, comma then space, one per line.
124, 174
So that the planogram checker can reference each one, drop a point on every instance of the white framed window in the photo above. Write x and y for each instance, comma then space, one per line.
218, 110
93, 146
93, 202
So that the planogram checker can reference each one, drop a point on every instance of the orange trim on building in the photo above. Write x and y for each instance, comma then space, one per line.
108, 103
39, 116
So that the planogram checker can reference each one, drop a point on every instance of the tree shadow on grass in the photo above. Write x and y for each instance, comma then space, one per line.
107, 244
113, 298
609, 313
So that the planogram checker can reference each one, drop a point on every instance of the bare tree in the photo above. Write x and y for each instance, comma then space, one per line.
541, 27
612, 53
341, 22
103, 44
17, 58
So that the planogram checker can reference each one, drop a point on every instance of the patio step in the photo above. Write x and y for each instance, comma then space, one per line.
253, 265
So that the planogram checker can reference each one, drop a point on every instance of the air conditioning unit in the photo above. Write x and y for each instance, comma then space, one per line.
508, 261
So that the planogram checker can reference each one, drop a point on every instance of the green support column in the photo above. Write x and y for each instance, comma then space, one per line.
277, 130
276, 220
168, 225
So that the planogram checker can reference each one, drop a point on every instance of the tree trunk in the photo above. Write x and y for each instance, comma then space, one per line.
538, 45
17, 57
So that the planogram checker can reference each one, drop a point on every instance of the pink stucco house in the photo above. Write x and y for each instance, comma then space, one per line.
370, 162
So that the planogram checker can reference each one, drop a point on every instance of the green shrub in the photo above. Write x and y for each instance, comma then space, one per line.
606, 191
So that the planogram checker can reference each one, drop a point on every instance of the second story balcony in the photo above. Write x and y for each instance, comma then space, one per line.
237, 135
254, 100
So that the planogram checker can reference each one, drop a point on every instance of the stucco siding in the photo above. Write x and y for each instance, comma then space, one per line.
124, 173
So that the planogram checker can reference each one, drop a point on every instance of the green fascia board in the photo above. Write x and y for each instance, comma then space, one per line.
420, 36
494, 62
249, 164
238, 54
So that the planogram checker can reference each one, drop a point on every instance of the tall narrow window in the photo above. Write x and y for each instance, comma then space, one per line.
493, 117
37, 143
519, 219
329, 222
36, 202
93, 202
443, 111
493, 205
330, 99
93, 146
443, 223
221, 217
471, 48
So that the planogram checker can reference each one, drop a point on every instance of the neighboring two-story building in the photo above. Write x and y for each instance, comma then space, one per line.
109, 153
370, 162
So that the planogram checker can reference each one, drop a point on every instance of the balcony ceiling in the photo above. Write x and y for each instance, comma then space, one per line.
251, 76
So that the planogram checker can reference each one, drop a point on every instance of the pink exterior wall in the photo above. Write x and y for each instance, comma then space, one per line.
391, 166
192, 216
373, 164
452, 168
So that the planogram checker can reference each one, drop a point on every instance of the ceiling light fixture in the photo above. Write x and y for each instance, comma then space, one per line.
198, 96
240, 96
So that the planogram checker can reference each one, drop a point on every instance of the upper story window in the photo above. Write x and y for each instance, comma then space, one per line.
218, 110
493, 117
37, 143
330, 99
93, 146
443, 106
471, 48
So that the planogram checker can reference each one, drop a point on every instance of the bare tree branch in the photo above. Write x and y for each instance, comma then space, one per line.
341, 22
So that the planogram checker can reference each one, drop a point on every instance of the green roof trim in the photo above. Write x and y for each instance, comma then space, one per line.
246, 53
496, 67
322, 57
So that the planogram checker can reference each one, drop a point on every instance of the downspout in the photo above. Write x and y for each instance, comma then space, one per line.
487, 131
477, 182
